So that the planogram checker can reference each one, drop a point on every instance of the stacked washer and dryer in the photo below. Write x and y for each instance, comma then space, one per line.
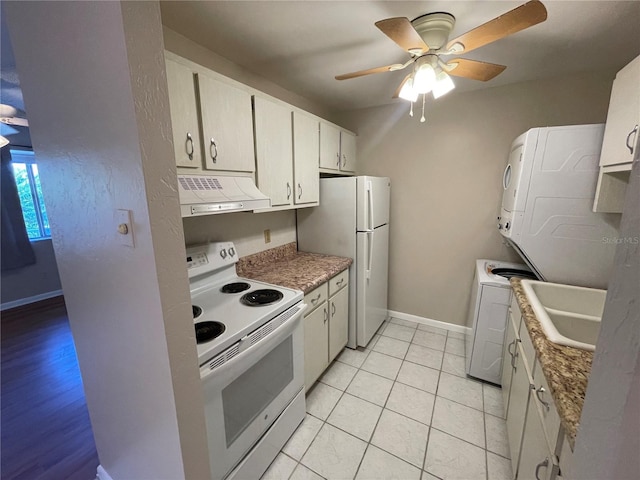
546, 215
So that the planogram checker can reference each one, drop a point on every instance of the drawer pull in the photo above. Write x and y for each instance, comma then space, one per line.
314, 301
538, 392
544, 463
339, 284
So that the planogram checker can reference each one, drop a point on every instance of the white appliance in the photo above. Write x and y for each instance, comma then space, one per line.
549, 185
250, 344
488, 316
208, 194
353, 221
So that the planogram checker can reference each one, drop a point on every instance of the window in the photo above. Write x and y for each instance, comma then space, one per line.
25, 170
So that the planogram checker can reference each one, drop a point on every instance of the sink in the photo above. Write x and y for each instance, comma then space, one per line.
568, 315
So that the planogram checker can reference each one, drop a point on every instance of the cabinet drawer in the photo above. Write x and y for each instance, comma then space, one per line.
316, 297
339, 281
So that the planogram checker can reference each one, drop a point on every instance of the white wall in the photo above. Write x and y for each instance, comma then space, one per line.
34, 282
608, 440
246, 230
446, 179
94, 86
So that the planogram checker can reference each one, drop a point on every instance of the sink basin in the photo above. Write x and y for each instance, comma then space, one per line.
568, 315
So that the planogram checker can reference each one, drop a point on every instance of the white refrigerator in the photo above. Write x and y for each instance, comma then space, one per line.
353, 221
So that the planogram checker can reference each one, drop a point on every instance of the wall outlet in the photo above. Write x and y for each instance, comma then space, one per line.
267, 236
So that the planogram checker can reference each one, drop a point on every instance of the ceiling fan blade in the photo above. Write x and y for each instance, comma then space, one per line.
400, 30
483, 71
361, 73
525, 16
397, 92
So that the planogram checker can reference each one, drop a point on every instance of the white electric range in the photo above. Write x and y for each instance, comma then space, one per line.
250, 344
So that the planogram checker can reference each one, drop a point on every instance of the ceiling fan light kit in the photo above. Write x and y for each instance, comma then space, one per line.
426, 38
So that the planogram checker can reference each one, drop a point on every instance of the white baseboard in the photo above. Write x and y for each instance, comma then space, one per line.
26, 301
102, 474
428, 321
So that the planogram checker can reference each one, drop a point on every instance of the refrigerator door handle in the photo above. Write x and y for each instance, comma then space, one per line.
370, 256
370, 206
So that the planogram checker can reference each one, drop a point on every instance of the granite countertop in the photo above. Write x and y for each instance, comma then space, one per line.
566, 369
288, 267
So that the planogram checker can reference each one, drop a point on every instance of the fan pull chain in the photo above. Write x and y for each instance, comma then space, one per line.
422, 119
411, 111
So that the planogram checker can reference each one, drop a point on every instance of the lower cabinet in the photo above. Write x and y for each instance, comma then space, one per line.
326, 326
533, 423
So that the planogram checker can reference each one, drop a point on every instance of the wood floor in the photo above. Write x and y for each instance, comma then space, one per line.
46, 432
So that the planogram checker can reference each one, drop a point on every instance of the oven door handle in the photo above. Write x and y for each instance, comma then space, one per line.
258, 349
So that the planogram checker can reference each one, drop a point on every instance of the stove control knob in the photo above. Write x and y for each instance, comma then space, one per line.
232, 251
223, 253
507, 225
499, 226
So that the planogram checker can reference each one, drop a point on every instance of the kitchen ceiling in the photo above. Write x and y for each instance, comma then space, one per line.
302, 45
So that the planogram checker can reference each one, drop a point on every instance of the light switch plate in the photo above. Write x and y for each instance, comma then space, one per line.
123, 217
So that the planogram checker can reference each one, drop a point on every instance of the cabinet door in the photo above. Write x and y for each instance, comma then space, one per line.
518, 403
274, 151
623, 116
227, 126
338, 322
184, 115
306, 157
508, 353
329, 146
536, 461
347, 151
316, 344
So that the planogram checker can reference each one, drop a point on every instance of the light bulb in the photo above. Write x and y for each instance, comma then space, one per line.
443, 84
424, 79
407, 92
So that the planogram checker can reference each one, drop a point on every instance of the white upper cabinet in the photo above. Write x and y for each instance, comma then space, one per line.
347, 151
329, 146
306, 152
623, 119
274, 151
337, 149
227, 127
184, 115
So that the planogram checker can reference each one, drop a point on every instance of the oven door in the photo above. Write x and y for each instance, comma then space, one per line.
246, 393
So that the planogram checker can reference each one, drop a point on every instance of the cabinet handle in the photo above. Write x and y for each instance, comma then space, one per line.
314, 301
326, 315
213, 150
338, 155
544, 463
511, 353
299, 191
514, 356
339, 284
538, 392
630, 147
288, 191
333, 310
344, 160
189, 146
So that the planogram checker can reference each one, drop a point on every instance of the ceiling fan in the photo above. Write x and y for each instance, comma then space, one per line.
426, 39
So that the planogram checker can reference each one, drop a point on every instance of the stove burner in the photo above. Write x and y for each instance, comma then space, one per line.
261, 297
197, 311
235, 287
206, 331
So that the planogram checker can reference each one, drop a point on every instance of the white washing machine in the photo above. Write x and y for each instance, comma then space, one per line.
488, 314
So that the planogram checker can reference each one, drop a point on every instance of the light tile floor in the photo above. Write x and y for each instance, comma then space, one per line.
400, 409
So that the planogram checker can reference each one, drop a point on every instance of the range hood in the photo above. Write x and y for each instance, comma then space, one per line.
210, 194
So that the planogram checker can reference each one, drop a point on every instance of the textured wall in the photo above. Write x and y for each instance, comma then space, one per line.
608, 441
93, 80
446, 179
